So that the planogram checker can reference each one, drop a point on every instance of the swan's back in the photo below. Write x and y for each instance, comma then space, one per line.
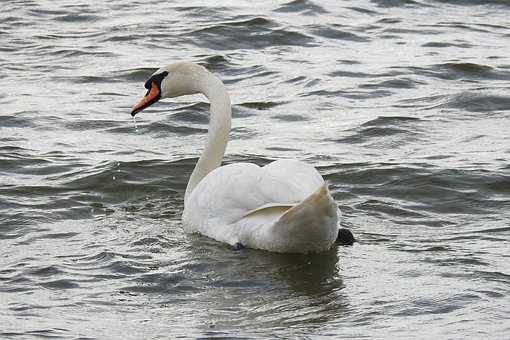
244, 202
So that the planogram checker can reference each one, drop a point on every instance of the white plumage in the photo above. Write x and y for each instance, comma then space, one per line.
284, 206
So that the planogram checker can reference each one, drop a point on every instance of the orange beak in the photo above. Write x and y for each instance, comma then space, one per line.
152, 96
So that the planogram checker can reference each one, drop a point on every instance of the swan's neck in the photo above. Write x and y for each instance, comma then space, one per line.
219, 127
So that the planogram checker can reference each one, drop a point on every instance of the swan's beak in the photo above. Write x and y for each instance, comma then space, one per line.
152, 96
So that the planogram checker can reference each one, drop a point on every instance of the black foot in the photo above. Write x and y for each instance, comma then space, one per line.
238, 246
345, 237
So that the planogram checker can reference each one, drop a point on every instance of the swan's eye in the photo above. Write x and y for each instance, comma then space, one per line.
148, 83
157, 78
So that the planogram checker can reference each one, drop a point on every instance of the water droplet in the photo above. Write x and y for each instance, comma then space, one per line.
136, 125
113, 177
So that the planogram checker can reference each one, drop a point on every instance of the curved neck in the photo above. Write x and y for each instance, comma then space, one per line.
219, 128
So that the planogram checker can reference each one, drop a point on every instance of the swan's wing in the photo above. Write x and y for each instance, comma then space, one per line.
231, 192
302, 176
281, 207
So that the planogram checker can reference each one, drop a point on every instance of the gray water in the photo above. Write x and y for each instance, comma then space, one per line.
402, 105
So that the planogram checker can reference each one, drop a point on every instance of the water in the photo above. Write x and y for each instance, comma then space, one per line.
136, 127
403, 106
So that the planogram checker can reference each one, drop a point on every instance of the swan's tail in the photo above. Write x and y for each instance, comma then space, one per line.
310, 226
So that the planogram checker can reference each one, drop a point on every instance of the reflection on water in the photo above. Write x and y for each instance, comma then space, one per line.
270, 290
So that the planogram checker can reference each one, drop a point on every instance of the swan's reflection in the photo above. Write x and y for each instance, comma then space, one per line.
253, 288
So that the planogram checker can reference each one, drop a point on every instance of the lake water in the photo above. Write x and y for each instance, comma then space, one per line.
402, 105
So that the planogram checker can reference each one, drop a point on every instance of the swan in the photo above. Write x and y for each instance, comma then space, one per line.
283, 207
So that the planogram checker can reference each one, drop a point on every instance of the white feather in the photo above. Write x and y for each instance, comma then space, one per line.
284, 206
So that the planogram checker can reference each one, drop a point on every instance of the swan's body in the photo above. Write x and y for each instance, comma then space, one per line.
261, 207
284, 206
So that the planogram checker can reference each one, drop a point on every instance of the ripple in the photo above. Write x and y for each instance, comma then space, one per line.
51, 270
40, 12
336, 33
78, 18
17, 120
363, 10
479, 102
453, 71
216, 63
69, 53
476, 2
263, 105
384, 131
350, 74
193, 113
398, 3
60, 284
500, 184
134, 75
400, 104
242, 35
305, 7
390, 121
161, 283
438, 44
403, 83
290, 118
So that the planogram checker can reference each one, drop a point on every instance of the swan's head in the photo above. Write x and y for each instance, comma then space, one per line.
171, 81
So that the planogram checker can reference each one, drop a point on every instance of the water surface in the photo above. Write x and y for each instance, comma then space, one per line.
403, 106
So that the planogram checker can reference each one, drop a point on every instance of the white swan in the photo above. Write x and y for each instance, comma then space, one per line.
284, 206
